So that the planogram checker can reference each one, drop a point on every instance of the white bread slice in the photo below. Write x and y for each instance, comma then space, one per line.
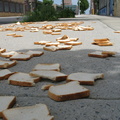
8, 54
64, 41
55, 33
52, 44
56, 30
6, 102
53, 67
35, 112
85, 78
46, 87
51, 48
34, 53
109, 53
73, 43
4, 74
20, 56
97, 54
51, 75
41, 42
64, 47
64, 37
23, 79
68, 91
2, 50
7, 64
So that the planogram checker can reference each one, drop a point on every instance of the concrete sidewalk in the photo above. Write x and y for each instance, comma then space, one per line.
104, 100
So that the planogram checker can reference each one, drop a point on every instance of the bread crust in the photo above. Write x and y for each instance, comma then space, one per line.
68, 96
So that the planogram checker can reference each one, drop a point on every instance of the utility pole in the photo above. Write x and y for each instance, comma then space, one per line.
79, 1
63, 5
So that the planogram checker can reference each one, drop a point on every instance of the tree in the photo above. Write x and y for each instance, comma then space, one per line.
84, 5
48, 2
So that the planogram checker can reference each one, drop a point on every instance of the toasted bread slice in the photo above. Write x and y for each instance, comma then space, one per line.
2, 50
85, 78
17, 35
68, 91
23, 79
51, 67
74, 39
63, 41
103, 39
35, 112
97, 54
116, 31
51, 48
105, 44
34, 53
51, 75
6, 102
56, 30
73, 43
20, 56
8, 54
7, 64
47, 31
4, 74
42, 42
12, 34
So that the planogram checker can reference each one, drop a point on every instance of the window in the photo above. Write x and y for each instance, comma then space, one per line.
17, 8
6, 5
12, 7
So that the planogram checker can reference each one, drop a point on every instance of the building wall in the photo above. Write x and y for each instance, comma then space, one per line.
117, 8
67, 2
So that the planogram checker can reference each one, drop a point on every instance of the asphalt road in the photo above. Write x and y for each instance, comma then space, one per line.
104, 100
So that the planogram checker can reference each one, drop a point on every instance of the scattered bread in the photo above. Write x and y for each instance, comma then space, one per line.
12, 34
20, 56
73, 43
64, 37
8, 54
7, 64
34, 53
56, 30
42, 42
74, 39
52, 44
85, 78
35, 112
55, 33
51, 75
64, 47
2, 50
64, 41
50, 48
106, 44
68, 91
116, 31
47, 31
4, 74
6, 102
50, 67
109, 53
17, 35
46, 87
23, 79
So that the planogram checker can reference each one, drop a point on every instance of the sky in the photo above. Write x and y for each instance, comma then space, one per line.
74, 2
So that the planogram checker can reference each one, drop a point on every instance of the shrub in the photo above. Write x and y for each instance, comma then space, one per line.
66, 13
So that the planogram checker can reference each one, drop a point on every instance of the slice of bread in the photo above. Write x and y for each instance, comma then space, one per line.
7, 64
35, 112
55, 33
6, 102
4, 74
51, 75
64, 41
97, 54
2, 50
34, 53
116, 31
64, 37
56, 30
20, 56
109, 53
85, 78
74, 39
51, 48
52, 44
12, 34
23, 79
68, 91
64, 47
103, 39
47, 31
17, 35
105, 44
8, 54
42, 42
73, 43
53, 67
